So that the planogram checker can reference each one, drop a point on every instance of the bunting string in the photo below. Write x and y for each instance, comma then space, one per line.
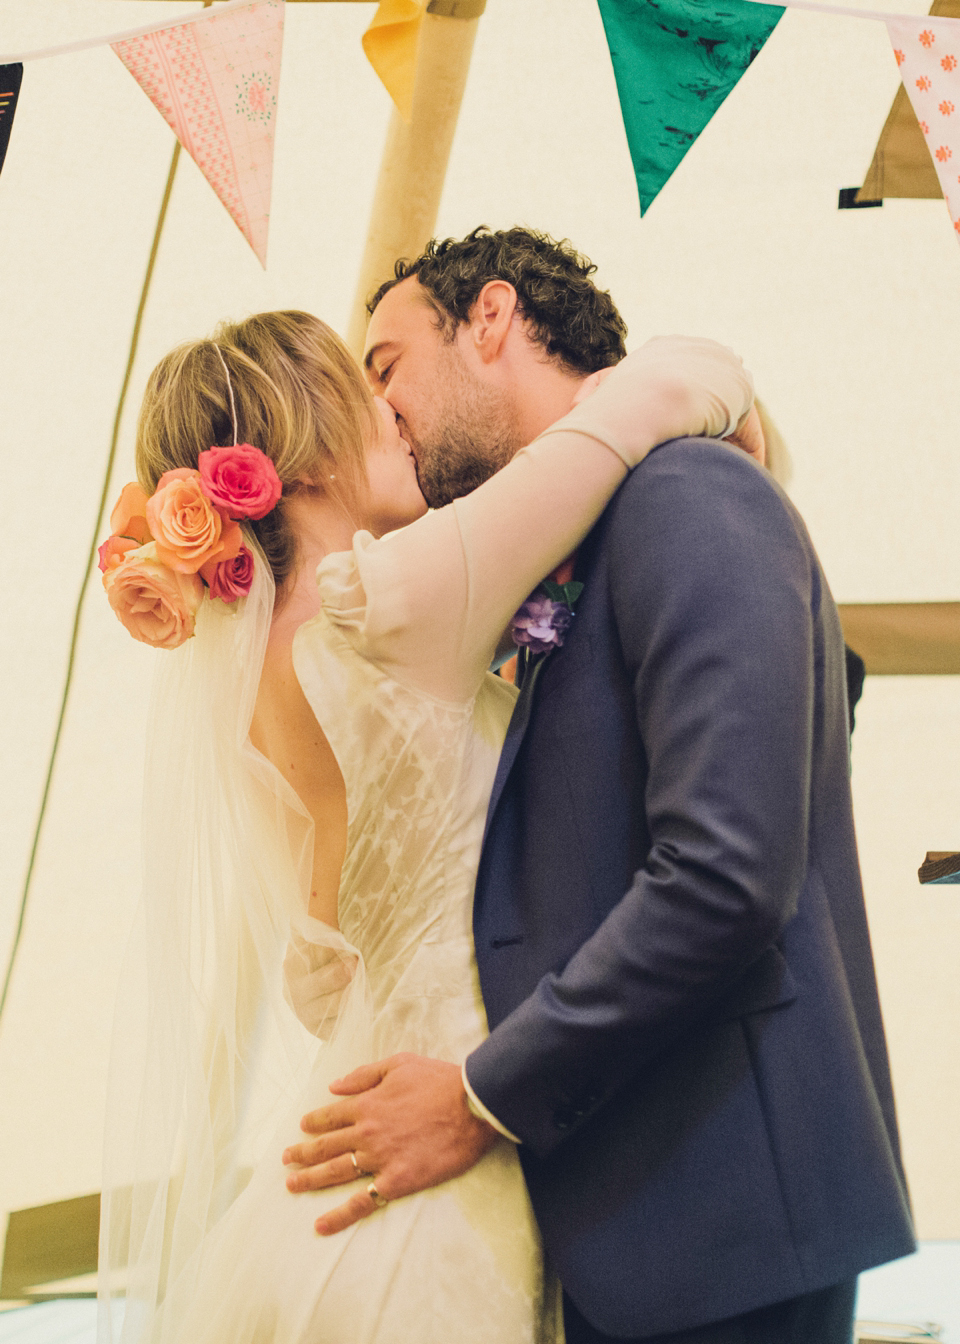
846, 12
390, 43
86, 43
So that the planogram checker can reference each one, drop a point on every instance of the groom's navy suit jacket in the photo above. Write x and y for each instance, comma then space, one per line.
669, 921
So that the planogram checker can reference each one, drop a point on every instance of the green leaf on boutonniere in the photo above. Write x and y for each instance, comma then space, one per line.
566, 593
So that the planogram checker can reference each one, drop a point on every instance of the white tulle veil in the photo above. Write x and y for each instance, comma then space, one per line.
208, 1061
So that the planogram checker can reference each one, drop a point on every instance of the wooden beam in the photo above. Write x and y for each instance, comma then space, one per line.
415, 157
49, 1243
897, 639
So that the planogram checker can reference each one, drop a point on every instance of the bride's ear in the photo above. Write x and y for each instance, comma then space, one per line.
491, 319
299, 484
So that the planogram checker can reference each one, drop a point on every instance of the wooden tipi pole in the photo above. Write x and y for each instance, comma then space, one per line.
416, 153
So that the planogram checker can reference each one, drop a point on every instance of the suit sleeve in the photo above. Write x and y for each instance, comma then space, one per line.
712, 597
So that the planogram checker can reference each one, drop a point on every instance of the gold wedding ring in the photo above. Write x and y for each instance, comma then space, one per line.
376, 1196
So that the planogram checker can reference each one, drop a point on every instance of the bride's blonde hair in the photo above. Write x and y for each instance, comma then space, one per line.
299, 397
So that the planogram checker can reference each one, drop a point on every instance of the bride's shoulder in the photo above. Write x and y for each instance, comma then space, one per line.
339, 577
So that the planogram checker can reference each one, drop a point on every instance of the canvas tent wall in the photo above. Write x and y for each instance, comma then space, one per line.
847, 319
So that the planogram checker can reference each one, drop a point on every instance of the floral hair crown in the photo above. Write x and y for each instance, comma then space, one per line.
166, 551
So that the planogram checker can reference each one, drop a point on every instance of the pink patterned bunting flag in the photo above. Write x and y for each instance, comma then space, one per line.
214, 81
928, 54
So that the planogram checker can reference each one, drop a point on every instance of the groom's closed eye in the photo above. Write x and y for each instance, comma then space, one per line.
377, 372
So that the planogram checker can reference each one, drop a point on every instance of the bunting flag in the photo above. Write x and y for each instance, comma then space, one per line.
390, 45
901, 164
215, 82
928, 54
675, 61
10, 79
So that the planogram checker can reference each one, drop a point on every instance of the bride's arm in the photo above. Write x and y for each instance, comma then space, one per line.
440, 591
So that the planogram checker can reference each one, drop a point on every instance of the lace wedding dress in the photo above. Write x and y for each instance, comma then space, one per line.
199, 1227
461, 1262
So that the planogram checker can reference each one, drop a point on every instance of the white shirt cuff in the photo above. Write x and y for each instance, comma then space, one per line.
478, 1109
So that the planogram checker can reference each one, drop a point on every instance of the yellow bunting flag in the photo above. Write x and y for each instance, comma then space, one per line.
390, 44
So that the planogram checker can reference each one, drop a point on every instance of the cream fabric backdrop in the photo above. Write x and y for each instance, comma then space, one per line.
848, 320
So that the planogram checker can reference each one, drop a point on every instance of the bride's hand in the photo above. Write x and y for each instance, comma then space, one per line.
748, 435
672, 387
590, 384
314, 978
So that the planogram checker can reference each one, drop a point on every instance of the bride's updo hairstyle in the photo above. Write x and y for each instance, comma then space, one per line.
299, 397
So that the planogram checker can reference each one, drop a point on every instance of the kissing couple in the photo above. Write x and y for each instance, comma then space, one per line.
558, 1004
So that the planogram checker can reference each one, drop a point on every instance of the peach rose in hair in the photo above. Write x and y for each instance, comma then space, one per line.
113, 550
156, 604
188, 529
129, 517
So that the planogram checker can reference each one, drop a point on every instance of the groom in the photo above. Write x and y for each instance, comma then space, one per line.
685, 1035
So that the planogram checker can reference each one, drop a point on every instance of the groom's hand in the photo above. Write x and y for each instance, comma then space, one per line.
406, 1121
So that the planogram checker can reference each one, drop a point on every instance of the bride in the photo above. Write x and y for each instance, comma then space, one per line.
322, 746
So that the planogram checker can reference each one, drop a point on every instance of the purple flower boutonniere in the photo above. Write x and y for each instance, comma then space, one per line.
542, 622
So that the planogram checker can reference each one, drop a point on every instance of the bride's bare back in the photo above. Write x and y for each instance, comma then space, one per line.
286, 731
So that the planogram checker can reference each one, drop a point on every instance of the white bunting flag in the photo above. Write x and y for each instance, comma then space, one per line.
215, 82
928, 54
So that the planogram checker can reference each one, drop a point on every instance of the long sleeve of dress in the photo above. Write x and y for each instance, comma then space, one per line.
430, 602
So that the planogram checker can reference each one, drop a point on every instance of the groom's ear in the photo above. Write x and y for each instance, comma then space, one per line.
491, 319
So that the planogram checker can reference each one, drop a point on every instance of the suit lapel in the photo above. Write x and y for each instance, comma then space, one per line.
519, 723
531, 673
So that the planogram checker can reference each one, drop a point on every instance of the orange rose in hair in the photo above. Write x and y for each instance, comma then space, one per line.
157, 605
129, 517
113, 550
189, 531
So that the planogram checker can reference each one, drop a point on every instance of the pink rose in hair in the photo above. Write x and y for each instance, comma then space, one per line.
229, 579
113, 550
188, 529
157, 605
241, 480
129, 517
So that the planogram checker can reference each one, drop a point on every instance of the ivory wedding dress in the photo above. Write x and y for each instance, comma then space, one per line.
394, 668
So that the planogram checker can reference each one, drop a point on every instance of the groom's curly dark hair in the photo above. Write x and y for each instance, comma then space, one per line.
575, 322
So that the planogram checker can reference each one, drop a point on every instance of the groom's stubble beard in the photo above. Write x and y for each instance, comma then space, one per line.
473, 432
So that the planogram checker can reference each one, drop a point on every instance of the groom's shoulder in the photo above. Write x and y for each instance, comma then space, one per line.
696, 493
699, 461
689, 475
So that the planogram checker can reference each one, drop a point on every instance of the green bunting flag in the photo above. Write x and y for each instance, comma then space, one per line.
675, 61
10, 77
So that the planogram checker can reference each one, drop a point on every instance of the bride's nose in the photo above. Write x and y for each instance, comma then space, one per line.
386, 410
